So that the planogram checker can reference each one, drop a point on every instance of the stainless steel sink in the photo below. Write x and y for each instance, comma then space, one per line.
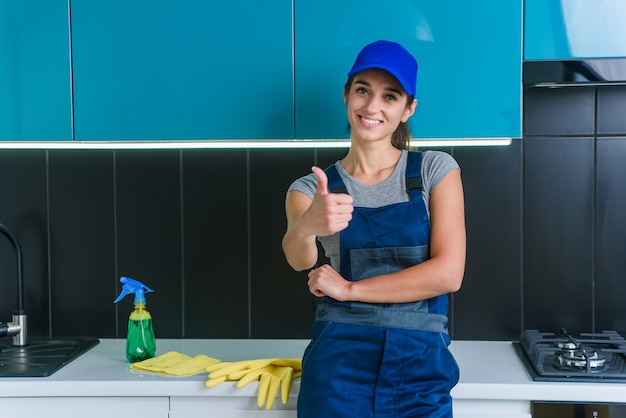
41, 357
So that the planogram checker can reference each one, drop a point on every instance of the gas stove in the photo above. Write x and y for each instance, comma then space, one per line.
596, 357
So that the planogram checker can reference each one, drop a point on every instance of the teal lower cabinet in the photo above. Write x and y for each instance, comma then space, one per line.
153, 70
469, 54
35, 93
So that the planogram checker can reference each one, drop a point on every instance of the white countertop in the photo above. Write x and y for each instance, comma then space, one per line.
488, 370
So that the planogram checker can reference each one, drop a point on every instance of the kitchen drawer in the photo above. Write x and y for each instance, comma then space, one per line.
81, 407
490, 415
489, 408
229, 407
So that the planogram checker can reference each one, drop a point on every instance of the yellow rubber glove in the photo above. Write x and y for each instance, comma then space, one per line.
282, 372
234, 370
176, 364
294, 363
270, 379
270, 373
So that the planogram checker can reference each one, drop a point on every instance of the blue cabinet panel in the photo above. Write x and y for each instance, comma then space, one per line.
182, 70
574, 29
35, 94
469, 55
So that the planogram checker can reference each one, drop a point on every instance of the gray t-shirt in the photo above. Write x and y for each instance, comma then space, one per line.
435, 166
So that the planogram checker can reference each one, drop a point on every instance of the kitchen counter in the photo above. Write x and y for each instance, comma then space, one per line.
490, 372
104, 370
493, 370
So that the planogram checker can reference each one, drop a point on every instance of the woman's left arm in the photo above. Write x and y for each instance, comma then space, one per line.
441, 274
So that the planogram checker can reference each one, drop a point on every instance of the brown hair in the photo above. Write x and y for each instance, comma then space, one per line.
401, 136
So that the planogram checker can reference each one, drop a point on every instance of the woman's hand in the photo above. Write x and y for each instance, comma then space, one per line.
329, 212
325, 281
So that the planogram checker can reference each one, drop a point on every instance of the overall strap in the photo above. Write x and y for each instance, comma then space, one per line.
414, 174
335, 184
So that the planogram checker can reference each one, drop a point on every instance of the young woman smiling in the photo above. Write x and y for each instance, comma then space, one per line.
392, 224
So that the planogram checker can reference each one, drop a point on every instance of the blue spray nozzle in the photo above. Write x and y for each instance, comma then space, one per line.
133, 286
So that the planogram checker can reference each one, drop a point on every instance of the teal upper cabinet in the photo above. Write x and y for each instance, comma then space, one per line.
574, 29
469, 54
186, 69
35, 98
191, 69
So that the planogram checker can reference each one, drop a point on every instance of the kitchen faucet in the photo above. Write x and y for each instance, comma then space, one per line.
17, 328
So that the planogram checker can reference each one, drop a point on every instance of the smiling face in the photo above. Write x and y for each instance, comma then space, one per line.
376, 105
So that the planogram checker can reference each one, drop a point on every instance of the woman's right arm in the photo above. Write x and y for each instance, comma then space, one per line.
326, 214
299, 246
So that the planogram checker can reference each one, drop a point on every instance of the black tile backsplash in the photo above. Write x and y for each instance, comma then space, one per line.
203, 228
23, 208
81, 243
559, 111
612, 110
489, 302
558, 234
215, 220
610, 232
281, 305
148, 234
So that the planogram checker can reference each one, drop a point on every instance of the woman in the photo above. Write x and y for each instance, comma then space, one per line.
391, 223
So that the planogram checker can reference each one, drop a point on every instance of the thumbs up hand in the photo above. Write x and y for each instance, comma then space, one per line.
323, 215
322, 181
329, 212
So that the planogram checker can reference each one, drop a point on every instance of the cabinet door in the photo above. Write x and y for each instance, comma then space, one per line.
35, 95
229, 407
491, 408
81, 407
469, 56
182, 70
574, 29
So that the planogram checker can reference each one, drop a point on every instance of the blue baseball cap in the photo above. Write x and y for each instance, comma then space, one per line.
391, 57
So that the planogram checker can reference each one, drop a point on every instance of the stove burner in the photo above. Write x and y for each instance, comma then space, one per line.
583, 358
566, 345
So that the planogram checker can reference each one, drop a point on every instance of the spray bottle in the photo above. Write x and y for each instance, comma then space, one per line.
140, 341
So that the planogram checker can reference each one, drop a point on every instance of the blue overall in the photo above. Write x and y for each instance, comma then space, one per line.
380, 360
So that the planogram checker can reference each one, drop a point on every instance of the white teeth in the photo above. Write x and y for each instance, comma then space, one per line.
370, 121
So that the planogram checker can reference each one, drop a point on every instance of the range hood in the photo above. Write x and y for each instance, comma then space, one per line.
575, 73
